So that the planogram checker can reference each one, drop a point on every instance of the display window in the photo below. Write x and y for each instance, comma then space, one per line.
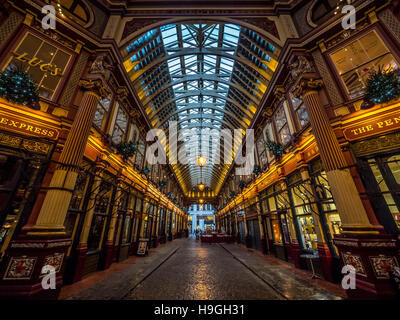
76, 205
282, 126
301, 202
307, 230
19, 174
101, 211
45, 62
356, 60
300, 111
262, 154
140, 154
102, 110
121, 125
325, 203
386, 172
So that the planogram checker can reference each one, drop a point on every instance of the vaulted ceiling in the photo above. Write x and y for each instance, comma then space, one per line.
203, 76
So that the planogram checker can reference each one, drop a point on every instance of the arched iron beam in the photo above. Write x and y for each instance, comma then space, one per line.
205, 77
134, 75
196, 93
199, 116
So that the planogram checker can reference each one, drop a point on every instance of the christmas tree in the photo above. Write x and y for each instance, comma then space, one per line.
382, 86
17, 87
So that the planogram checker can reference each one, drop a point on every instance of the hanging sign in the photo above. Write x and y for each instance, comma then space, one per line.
373, 127
142, 247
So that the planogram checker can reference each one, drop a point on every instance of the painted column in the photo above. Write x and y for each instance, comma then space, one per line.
361, 243
46, 239
352, 212
55, 206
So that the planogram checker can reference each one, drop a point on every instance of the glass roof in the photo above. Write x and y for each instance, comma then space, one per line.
205, 77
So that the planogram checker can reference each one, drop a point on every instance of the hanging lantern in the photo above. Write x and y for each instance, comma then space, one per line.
201, 186
201, 161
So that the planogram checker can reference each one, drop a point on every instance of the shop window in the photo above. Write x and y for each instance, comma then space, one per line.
140, 154
282, 126
307, 230
45, 63
300, 111
73, 9
387, 175
100, 215
76, 204
356, 60
325, 202
121, 124
102, 110
262, 153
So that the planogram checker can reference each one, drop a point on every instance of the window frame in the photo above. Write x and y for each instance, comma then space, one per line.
281, 108
331, 65
64, 78
121, 108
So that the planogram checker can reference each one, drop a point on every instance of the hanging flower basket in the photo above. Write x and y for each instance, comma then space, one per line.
16, 86
275, 148
127, 149
381, 87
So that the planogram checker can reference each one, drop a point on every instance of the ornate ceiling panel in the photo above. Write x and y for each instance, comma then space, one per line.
209, 76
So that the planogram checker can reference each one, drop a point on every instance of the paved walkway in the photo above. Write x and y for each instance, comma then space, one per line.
187, 269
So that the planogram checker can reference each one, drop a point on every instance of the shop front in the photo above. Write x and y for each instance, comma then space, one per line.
24, 159
253, 227
275, 221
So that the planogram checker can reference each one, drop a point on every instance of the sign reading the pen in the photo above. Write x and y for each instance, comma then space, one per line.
27, 127
373, 127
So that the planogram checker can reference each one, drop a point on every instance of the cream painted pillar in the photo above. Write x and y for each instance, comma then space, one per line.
55, 205
347, 199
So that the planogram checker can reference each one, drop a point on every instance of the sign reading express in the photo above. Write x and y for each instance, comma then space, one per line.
16, 125
373, 127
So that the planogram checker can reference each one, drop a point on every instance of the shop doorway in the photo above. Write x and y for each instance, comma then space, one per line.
254, 233
21, 174
280, 234
242, 233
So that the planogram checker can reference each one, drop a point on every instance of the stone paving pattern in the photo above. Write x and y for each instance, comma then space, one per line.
187, 269
294, 286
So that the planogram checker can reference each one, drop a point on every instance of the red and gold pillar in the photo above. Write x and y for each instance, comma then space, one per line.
361, 243
45, 242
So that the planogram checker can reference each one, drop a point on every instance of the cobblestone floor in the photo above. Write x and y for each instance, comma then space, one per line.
187, 269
